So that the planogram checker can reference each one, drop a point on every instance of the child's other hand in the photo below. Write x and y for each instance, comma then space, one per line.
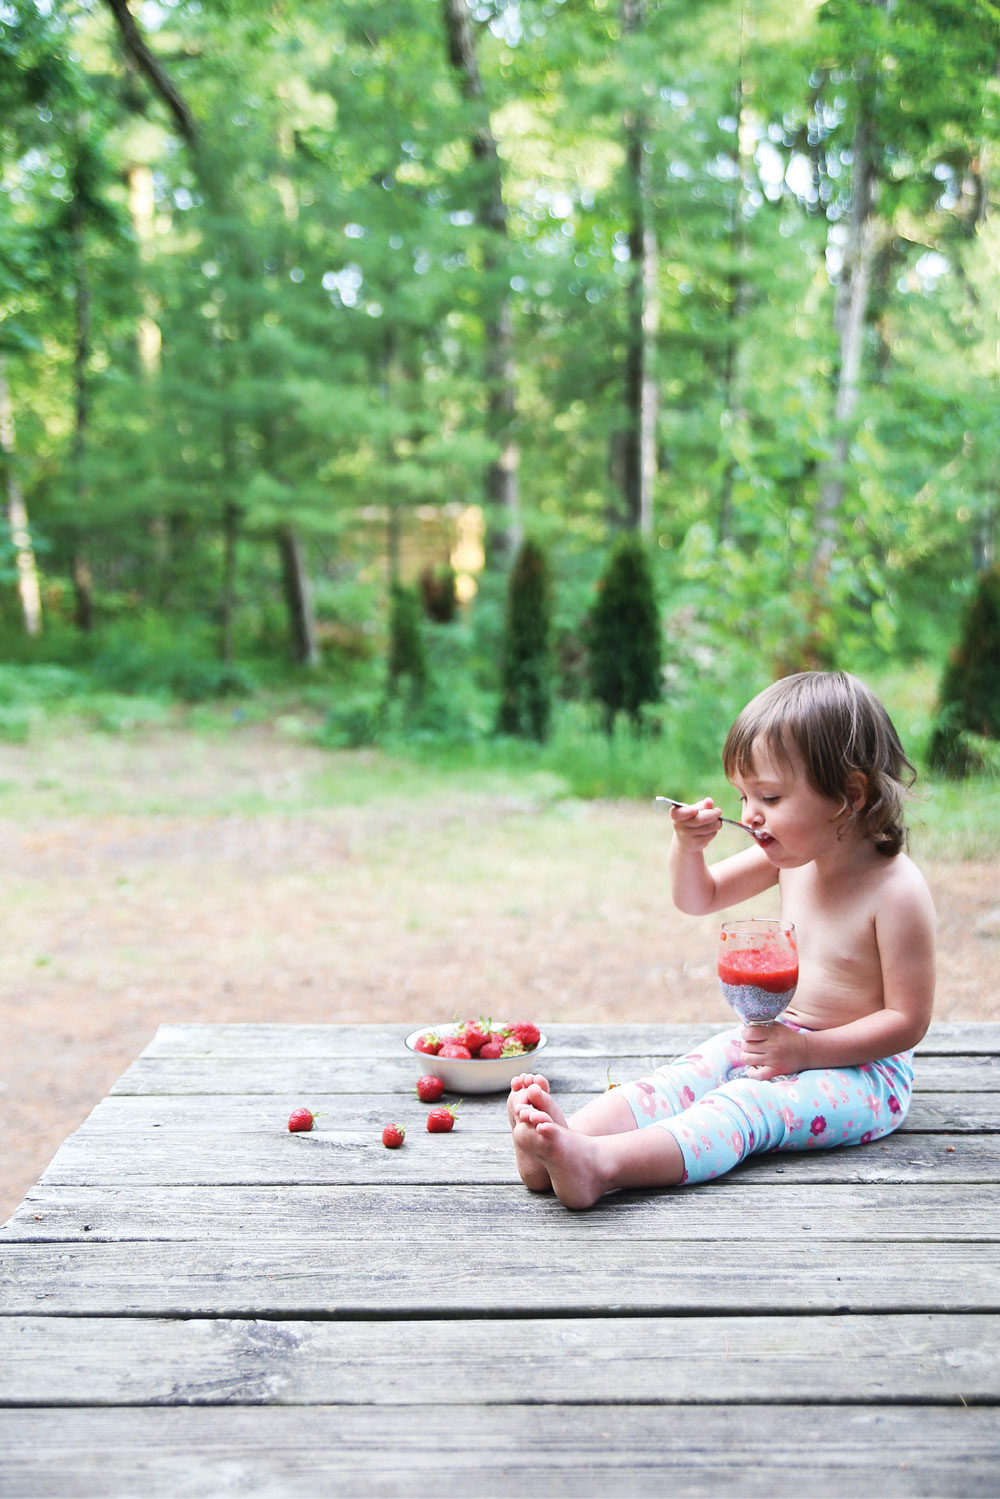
695, 826
773, 1051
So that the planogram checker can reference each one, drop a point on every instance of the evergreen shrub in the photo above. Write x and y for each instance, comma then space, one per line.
408, 674
438, 590
526, 657
624, 637
969, 697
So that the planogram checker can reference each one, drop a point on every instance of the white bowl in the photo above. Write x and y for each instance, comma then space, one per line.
473, 1076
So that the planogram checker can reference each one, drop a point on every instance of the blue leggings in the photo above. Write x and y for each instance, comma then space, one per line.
718, 1120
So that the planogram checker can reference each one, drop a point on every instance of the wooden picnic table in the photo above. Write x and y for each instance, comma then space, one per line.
197, 1302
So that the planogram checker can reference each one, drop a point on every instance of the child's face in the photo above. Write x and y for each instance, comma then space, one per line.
794, 822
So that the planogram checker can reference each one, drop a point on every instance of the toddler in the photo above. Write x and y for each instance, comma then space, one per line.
819, 771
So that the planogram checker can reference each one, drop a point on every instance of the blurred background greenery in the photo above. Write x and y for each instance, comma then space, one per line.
314, 316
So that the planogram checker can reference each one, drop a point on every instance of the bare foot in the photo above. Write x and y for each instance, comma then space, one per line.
531, 1090
568, 1158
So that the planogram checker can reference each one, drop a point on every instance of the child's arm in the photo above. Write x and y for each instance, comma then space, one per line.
699, 888
904, 930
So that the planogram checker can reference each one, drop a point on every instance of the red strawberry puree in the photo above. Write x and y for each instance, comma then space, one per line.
758, 982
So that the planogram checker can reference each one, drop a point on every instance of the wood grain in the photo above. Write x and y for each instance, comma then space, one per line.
195, 1302
568, 1451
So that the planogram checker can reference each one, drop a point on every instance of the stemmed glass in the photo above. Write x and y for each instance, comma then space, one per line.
758, 967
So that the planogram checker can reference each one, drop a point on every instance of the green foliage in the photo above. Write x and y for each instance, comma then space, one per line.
438, 592
625, 636
526, 663
970, 687
150, 656
319, 284
407, 677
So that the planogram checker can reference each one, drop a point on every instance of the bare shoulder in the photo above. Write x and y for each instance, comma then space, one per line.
903, 893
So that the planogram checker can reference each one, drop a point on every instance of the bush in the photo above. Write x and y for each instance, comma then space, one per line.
407, 656
624, 638
438, 590
150, 656
526, 657
969, 699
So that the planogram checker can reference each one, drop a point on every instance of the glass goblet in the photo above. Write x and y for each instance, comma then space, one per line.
758, 969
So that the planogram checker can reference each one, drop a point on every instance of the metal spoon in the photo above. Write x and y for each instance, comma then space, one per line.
731, 820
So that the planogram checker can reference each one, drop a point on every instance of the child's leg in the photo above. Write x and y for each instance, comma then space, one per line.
676, 1085
618, 1111
742, 1117
821, 1108
607, 1114
582, 1167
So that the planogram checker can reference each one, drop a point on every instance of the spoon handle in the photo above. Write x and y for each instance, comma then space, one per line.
731, 820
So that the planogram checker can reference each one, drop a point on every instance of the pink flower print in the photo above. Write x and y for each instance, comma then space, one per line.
736, 1143
698, 1065
790, 1119
687, 1097
818, 1125
647, 1099
894, 1105
867, 1137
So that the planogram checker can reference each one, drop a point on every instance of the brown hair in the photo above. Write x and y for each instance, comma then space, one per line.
840, 730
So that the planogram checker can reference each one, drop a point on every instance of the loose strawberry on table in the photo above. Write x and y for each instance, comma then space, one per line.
300, 1119
392, 1136
429, 1088
442, 1119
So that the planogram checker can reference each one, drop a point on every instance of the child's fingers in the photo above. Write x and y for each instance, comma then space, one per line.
700, 820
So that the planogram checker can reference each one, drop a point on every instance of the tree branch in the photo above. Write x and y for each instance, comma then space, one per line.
148, 64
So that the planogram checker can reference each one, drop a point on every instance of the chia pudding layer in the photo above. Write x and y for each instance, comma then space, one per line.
754, 1005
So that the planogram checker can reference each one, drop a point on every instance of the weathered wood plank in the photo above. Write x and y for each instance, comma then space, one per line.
462, 1278
282, 1076
565, 1451
327, 1041
393, 1214
238, 1113
65, 1361
350, 1157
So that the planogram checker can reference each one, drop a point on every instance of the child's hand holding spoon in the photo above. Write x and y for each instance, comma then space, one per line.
686, 806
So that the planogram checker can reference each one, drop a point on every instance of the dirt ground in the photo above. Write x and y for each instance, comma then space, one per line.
270, 896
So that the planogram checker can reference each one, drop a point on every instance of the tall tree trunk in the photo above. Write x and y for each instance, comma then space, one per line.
639, 455
296, 584
733, 412
298, 598
148, 347
850, 312
83, 585
142, 212
230, 538
501, 480
17, 515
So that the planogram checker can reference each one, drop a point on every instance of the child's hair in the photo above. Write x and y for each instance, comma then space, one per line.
839, 728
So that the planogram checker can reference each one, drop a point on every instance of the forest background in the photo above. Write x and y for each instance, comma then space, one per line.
311, 308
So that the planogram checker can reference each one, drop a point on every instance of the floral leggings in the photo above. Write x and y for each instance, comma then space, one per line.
718, 1120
